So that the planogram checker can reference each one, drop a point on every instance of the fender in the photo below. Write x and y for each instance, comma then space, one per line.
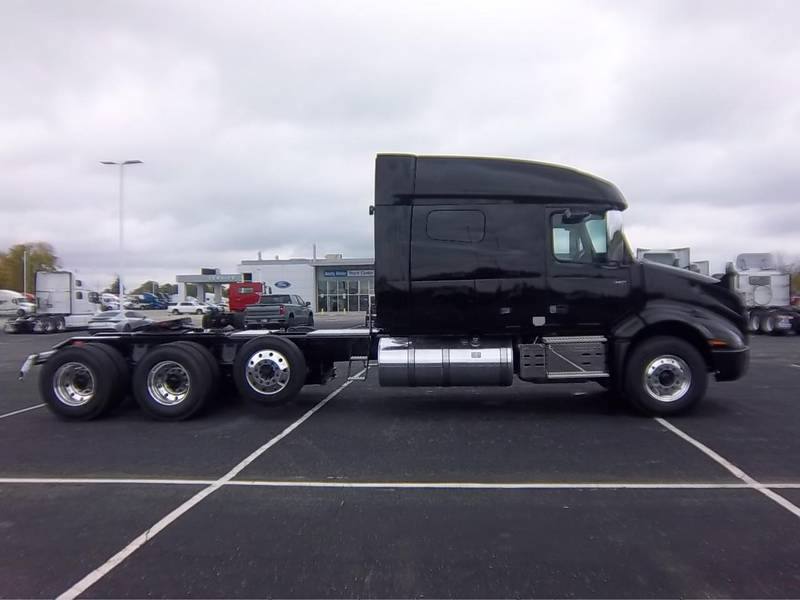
662, 314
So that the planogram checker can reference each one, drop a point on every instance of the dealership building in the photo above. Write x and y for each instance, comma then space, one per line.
331, 284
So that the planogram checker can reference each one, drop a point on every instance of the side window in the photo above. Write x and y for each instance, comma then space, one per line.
456, 225
579, 240
759, 280
79, 295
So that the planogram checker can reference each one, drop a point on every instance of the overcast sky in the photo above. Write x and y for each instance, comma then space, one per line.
258, 122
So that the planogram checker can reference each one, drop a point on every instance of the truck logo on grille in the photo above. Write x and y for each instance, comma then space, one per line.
282, 284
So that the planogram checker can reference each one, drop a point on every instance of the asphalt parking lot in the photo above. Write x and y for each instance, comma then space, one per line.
354, 490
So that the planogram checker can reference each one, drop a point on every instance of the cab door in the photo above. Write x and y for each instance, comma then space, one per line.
587, 292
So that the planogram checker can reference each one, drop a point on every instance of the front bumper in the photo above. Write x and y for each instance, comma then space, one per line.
730, 363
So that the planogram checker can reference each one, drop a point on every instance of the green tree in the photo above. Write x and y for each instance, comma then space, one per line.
113, 288
168, 288
147, 286
41, 257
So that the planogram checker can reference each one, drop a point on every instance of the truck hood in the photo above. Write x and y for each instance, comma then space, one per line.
672, 283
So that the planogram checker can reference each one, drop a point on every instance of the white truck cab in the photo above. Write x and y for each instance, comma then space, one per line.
62, 302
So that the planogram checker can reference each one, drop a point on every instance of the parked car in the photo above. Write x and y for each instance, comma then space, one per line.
118, 320
216, 307
190, 307
109, 301
279, 310
14, 304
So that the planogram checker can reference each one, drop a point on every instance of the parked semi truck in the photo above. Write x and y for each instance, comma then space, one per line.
62, 302
765, 289
485, 269
674, 257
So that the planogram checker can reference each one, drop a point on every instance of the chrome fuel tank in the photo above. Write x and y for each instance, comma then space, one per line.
445, 361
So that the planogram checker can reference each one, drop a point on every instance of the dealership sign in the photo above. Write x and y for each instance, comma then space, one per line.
282, 284
349, 273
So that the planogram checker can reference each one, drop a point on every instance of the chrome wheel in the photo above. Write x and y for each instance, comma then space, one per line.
667, 378
268, 371
73, 384
168, 383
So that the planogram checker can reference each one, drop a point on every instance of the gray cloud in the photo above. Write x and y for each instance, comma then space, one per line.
258, 122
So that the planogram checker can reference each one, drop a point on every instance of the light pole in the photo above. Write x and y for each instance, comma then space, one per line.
121, 214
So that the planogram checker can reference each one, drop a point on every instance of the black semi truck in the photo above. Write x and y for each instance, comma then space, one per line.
485, 269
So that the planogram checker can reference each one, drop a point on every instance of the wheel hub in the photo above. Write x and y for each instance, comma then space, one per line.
74, 384
268, 372
667, 378
168, 383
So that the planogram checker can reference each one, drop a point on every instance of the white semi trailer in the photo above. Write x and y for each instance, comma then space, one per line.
62, 303
673, 257
765, 288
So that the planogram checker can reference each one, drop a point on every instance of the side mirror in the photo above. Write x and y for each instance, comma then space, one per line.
308, 303
94, 298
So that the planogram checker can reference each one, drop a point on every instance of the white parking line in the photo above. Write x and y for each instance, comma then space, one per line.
736, 471
409, 485
93, 577
21, 410
95, 480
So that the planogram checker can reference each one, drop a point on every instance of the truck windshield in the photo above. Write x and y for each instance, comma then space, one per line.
590, 238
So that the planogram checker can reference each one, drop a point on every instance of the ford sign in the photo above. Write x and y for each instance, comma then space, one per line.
282, 284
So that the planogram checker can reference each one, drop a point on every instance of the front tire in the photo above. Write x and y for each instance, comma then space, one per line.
665, 376
269, 370
175, 311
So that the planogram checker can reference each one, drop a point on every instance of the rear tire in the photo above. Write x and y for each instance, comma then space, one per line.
122, 377
47, 325
171, 383
754, 322
204, 354
198, 312
237, 320
269, 370
665, 376
59, 324
78, 383
768, 324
